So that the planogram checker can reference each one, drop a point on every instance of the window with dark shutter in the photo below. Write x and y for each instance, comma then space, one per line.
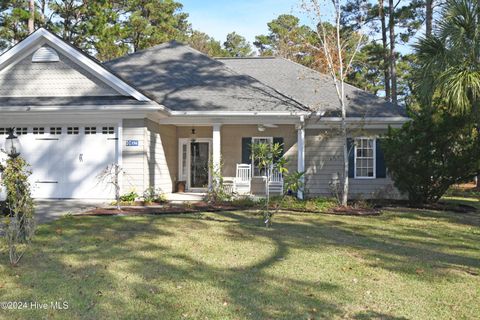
246, 152
351, 157
380, 168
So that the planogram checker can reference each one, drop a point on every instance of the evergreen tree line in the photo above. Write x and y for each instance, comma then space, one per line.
109, 29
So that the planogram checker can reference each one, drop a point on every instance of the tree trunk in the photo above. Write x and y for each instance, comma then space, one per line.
345, 162
31, 19
386, 67
428, 17
393, 64
43, 8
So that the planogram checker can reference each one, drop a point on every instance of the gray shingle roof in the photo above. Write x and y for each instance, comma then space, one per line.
183, 79
311, 88
70, 101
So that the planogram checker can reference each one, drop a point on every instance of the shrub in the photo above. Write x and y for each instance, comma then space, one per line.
309, 205
19, 225
129, 197
434, 151
245, 202
154, 195
218, 191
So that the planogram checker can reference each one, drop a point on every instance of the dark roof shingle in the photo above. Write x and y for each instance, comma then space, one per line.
183, 79
311, 88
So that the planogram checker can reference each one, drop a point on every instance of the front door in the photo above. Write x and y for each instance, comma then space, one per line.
194, 160
199, 158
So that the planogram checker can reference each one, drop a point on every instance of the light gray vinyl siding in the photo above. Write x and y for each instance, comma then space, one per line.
50, 79
161, 156
133, 158
154, 162
324, 160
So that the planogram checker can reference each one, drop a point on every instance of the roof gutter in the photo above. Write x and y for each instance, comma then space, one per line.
366, 119
239, 113
123, 108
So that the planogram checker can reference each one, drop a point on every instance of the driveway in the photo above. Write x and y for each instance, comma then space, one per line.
49, 210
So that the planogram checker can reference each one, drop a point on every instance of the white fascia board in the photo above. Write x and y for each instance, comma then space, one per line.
42, 36
17, 119
367, 121
239, 113
81, 109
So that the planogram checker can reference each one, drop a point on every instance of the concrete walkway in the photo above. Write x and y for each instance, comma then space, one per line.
49, 210
181, 197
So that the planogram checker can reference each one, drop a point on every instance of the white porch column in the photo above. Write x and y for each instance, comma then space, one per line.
301, 152
216, 146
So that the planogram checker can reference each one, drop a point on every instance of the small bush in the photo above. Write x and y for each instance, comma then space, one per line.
129, 197
218, 192
309, 205
161, 198
245, 202
19, 225
154, 195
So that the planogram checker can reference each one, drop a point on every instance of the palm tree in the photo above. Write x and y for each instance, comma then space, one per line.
449, 60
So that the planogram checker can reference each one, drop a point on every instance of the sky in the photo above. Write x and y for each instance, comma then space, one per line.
248, 18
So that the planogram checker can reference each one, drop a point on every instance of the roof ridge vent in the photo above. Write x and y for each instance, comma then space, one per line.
45, 54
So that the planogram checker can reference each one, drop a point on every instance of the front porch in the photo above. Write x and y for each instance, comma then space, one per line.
192, 151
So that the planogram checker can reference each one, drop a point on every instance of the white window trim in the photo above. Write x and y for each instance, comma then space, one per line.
182, 176
374, 158
253, 162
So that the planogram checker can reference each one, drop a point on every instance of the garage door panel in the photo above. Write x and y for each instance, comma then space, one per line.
66, 162
47, 168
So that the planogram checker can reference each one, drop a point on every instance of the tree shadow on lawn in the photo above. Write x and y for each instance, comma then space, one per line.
119, 270
467, 218
158, 267
381, 246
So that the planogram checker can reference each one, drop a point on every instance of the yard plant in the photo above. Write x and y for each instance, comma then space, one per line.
19, 224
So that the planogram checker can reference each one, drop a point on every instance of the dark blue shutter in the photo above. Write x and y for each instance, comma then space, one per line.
380, 169
246, 150
351, 157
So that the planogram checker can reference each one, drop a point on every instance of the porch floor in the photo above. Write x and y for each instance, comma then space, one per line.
180, 197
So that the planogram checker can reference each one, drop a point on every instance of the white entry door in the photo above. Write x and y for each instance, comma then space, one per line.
66, 161
194, 163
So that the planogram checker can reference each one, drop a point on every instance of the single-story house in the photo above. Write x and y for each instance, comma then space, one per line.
165, 113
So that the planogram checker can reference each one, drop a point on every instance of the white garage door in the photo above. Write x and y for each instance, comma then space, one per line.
66, 160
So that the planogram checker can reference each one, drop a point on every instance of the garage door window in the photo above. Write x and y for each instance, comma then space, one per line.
72, 130
90, 130
108, 130
20, 131
55, 130
38, 130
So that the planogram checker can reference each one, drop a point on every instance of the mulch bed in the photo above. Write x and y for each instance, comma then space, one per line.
350, 210
205, 207
157, 209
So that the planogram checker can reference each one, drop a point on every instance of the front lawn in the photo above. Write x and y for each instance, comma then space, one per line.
404, 264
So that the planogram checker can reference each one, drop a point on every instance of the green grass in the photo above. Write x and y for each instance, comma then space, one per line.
404, 264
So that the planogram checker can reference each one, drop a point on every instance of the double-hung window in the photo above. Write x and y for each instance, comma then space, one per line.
257, 140
365, 158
